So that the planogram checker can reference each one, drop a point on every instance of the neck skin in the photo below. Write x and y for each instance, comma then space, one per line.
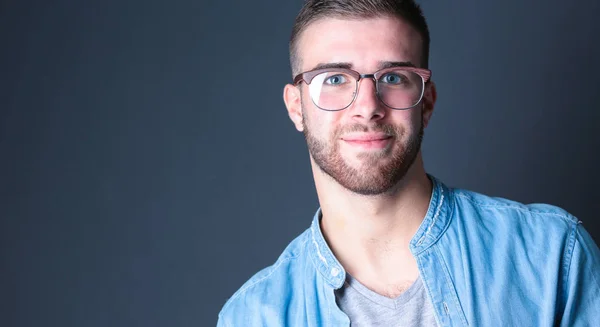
370, 235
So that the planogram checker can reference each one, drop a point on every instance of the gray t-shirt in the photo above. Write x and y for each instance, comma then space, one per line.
367, 308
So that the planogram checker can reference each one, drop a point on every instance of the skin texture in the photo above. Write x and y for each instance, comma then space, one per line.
375, 171
373, 194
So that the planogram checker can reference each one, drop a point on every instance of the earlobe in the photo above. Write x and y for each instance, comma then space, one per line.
293, 103
429, 99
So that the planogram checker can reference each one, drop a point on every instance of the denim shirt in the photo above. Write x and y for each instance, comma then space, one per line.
484, 262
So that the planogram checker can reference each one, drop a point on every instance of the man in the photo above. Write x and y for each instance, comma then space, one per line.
390, 244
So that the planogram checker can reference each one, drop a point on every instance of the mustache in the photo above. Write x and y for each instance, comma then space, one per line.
386, 129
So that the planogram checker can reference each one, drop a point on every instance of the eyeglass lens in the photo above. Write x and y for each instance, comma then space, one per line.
398, 89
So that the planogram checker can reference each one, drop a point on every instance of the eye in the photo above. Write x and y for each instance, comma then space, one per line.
393, 78
335, 80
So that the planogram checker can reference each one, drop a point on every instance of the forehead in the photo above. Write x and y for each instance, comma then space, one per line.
363, 43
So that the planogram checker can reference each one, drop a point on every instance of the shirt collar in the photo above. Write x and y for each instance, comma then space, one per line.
433, 226
436, 219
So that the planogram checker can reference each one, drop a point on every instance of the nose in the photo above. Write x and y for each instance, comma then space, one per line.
366, 106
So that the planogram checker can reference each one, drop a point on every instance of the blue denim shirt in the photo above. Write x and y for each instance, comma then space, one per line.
484, 262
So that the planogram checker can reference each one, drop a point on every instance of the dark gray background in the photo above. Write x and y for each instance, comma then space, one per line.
148, 167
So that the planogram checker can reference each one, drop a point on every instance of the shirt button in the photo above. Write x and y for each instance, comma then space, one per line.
335, 272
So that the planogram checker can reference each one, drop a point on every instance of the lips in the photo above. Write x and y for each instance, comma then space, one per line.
366, 137
367, 141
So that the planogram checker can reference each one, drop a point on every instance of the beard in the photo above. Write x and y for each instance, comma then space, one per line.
378, 172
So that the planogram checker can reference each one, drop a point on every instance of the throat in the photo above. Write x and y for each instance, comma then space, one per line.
392, 291
388, 273
389, 289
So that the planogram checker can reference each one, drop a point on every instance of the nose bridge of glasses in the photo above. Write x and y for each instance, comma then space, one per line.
372, 93
367, 76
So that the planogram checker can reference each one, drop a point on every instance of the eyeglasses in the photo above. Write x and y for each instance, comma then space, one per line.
335, 89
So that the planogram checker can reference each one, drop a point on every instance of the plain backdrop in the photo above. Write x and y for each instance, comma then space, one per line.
148, 167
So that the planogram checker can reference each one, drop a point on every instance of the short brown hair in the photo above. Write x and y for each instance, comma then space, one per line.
313, 10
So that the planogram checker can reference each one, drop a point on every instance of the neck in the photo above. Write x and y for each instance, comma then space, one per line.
370, 235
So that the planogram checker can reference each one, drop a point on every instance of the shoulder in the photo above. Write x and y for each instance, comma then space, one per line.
500, 222
270, 286
498, 208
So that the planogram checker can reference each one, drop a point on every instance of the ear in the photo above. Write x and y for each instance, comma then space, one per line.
429, 99
293, 102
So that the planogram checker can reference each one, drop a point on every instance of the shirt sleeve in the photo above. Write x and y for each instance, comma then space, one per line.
582, 289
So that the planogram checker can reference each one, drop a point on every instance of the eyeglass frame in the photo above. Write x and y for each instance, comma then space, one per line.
308, 76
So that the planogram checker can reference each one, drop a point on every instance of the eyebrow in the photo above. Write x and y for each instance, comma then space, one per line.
389, 64
347, 65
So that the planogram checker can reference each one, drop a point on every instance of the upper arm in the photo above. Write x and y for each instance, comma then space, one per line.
582, 289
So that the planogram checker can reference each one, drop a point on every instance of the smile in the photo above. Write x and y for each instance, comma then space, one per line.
368, 141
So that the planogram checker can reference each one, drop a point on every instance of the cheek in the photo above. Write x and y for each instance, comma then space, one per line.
409, 120
417, 120
319, 128
321, 124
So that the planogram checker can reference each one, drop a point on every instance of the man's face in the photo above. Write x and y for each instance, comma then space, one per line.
367, 148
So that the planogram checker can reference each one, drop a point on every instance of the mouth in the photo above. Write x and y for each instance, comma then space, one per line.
368, 141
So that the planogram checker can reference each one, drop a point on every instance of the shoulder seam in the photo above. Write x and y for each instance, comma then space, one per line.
568, 256
568, 217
